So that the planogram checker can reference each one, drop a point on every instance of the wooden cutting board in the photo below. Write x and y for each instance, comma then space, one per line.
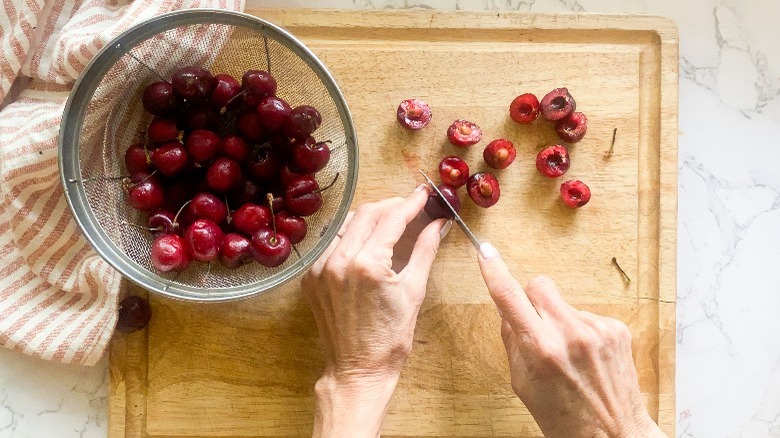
247, 368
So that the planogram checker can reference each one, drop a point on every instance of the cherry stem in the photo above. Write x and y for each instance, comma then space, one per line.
329, 185
224, 108
270, 198
612, 147
622, 272
147, 178
141, 227
176, 218
229, 218
147, 66
298, 253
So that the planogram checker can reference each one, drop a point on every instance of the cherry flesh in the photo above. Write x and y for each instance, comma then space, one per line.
524, 109
572, 128
483, 189
575, 193
413, 114
557, 104
499, 154
464, 133
553, 161
453, 171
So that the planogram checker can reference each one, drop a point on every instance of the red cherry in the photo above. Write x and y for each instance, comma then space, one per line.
434, 207
246, 191
250, 127
169, 253
203, 239
289, 173
303, 121
499, 154
236, 148
265, 165
413, 114
235, 251
226, 89
291, 226
170, 158
572, 127
553, 161
162, 131
453, 171
145, 192
203, 145
302, 196
483, 189
137, 159
193, 83
201, 117
207, 206
158, 98
224, 174
557, 104
258, 84
274, 113
464, 133
270, 249
249, 218
524, 109
311, 157
575, 193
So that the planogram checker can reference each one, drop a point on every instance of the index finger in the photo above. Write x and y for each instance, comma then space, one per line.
507, 293
393, 223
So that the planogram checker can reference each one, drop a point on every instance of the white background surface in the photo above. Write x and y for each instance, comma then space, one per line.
728, 330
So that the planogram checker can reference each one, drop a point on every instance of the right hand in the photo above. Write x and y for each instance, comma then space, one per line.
572, 369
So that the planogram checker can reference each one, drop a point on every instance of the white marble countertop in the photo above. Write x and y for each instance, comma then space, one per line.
728, 332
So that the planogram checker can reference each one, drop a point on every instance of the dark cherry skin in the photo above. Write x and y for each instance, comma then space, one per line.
226, 89
524, 109
499, 154
483, 189
311, 157
557, 104
575, 193
464, 133
144, 192
270, 248
246, 191
572, 127
453, 171
249, 218
137, 159
277, 201
274, 113
224, 174
303, 121
178, 192
158, 98
250, 127
134, 314
235, 251
170, 158
236, 148
201, 117
162, 222
553, 161
302, 196
258, 85
265, 166
162, 130
434, 207
203, 239
207, 206
193, 83
413, 114
169, 253
284, 144
291, 226
289, 173
203, 145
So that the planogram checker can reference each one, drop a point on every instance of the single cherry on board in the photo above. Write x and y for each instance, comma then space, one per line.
134, 314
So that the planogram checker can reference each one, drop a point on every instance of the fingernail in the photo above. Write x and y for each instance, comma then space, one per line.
486, 250
445, 229
420, 187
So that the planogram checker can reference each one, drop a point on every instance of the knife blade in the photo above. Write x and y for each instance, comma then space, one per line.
455, 216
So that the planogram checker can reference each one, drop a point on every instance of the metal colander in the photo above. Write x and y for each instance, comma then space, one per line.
104, 116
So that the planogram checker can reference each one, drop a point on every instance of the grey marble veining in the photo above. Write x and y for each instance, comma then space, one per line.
728, 332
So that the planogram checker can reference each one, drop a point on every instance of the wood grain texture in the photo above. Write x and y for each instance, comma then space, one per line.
247, 369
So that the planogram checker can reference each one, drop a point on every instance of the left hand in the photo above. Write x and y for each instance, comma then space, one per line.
366, 312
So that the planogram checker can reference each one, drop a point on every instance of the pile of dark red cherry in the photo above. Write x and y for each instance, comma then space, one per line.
227, 170
553, 161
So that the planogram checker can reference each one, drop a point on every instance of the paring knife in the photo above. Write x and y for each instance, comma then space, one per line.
455, 216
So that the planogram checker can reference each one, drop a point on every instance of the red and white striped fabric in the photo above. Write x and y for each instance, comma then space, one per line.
57, 296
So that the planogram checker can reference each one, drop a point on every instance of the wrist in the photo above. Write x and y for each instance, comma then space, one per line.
351, 405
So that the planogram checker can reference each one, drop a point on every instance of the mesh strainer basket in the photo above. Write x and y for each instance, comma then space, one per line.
104, 116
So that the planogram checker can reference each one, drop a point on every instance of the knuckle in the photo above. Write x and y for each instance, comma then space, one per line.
541, 283
550, 355
621, 330
363, 266
368, 209
584, 342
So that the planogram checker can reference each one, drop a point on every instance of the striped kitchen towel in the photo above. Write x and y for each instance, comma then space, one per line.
57, 296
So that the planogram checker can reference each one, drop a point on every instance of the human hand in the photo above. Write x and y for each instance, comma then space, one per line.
366, 312
572, 369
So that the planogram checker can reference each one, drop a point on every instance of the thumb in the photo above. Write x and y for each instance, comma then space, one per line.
509, 296
424, 252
